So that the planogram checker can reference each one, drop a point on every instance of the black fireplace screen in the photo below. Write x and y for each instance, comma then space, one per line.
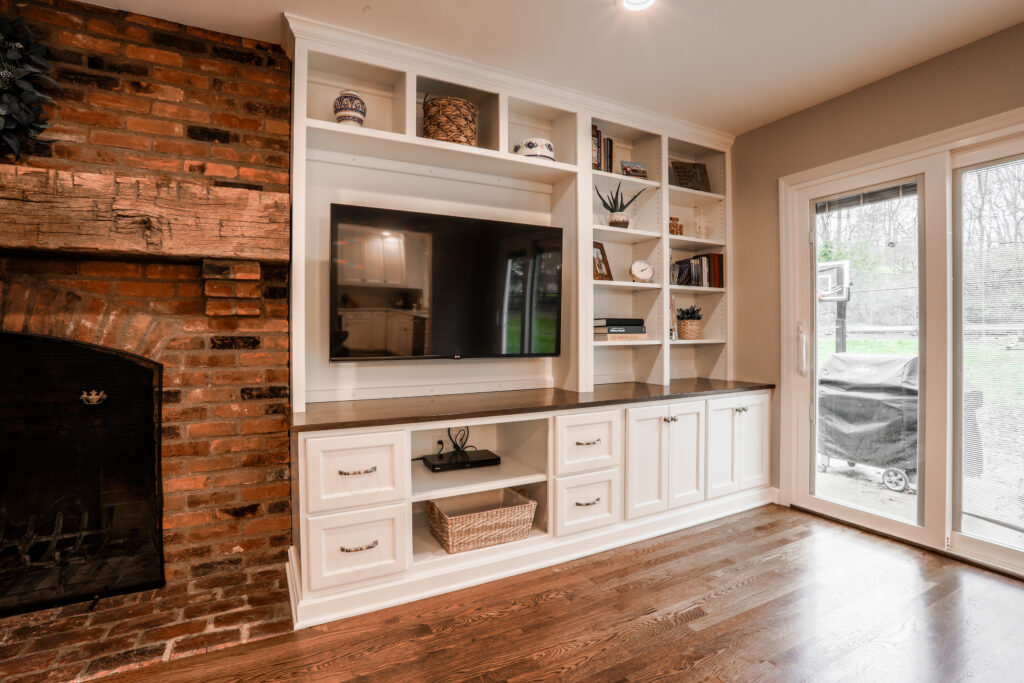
80, 501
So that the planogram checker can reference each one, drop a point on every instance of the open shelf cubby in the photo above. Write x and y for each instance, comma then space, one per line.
381, 88
644, 213
522, 445
632, 144
531, 120
486, 108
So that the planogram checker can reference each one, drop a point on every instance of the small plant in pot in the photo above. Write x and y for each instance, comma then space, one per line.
615, 204
688, 322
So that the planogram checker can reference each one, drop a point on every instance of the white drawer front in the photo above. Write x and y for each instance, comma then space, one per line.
588, 441
351, 546
349, 471
587, 501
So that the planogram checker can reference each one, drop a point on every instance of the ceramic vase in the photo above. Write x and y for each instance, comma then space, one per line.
619, 219
536, 147
350, 108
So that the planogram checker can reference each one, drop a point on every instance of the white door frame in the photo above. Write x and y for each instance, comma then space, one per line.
930, 157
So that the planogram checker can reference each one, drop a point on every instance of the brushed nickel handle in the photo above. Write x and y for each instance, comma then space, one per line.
667, 419
586, 505
359, 549
595, 442
355, 472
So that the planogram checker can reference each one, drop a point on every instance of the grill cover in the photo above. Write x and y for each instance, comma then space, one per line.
867, 410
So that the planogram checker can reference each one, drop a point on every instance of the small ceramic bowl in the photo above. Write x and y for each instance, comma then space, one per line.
535, 147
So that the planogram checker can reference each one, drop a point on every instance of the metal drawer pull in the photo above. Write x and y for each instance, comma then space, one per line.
360, 548
352, 474
742, 410
595, 442
674, 418
586, 505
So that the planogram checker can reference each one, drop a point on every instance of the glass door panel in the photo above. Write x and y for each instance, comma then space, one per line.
867, 367
990, 466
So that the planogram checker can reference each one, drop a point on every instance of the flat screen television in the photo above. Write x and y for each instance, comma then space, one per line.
419, 285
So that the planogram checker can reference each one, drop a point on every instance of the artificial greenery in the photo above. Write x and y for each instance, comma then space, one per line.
614, 202
689, 313
22, 68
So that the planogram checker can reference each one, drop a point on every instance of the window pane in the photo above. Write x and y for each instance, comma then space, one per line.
992, 348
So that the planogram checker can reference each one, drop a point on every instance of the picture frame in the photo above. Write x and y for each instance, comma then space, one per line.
691, 175
633, 169
602, 269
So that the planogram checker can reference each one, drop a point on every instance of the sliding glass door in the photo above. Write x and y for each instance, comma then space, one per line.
989, 357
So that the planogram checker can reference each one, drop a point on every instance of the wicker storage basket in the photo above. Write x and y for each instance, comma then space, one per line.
688, 329
481, 519
450, 119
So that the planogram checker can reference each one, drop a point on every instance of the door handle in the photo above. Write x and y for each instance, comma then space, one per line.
355, 472
804, 351
586, 505
595, 442
359, 549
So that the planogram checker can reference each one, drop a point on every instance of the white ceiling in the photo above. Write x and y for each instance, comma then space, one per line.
731, 65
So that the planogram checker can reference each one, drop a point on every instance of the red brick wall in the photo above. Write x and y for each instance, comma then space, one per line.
225, 454
142, 94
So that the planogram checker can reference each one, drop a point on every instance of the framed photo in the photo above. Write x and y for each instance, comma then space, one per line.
602, 270
690, 175
633, 169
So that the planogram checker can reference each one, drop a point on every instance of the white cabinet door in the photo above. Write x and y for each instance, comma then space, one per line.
362, 544
588, 441
723, 461
392, 332
345, 471
753, 449
373, 259
393, 252
646, 461
587, 501
686, 453
360, 329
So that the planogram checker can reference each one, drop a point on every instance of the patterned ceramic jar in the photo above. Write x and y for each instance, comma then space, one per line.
350, 108
535, 147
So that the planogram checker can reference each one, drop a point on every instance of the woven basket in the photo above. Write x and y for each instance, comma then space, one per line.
478, 520
450, 119
688, 329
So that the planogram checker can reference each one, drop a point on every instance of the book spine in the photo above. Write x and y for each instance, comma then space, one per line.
620, 337
621, 329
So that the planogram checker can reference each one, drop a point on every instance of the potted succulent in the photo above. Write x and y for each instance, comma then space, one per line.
688, 322
615, 204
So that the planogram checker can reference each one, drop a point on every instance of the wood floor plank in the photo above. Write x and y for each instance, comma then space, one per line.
771, 594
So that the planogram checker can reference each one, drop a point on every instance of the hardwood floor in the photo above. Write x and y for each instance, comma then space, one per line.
768, 595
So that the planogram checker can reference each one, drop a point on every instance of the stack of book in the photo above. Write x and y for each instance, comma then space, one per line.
602, 150
619, 329
700, 271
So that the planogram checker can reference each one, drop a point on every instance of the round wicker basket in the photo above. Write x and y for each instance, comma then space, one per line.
688, 329
450, 119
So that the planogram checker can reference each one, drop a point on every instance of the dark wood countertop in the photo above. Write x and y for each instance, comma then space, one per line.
388, 411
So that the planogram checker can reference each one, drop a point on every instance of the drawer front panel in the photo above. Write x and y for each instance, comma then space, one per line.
588, 441
353, 470
587, 501
352, 546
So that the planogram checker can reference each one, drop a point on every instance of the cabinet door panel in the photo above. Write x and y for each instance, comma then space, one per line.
646, 461
588, 441
363, 544
686, 453
351, 470
587, 501
723, 463
755, 468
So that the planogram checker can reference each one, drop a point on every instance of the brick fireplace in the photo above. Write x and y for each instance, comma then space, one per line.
157, 225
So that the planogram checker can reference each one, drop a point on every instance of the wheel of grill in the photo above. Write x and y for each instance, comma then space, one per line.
895, 480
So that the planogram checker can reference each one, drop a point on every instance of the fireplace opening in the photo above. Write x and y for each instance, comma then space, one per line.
80, 496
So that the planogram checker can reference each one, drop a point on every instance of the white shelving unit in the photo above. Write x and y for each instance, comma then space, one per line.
388, 162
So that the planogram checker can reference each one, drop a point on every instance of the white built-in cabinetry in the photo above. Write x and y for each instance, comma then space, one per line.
389, 163
602, 476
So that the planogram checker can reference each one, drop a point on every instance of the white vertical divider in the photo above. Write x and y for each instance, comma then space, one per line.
585, 240
297, 283
410, 103
503, 115
666, 266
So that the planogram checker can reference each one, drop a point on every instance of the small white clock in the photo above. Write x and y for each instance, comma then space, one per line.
641, 271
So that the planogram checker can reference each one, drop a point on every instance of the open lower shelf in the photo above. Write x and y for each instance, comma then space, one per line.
627, 284
697, 290
695, 342
694, 243
684, 196
426, 550
427, 485
638, 342
367, 142
606, 233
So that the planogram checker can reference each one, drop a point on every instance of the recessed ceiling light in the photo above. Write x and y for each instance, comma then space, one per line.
635, 5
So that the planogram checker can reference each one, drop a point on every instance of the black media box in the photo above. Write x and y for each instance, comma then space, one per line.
460, 460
